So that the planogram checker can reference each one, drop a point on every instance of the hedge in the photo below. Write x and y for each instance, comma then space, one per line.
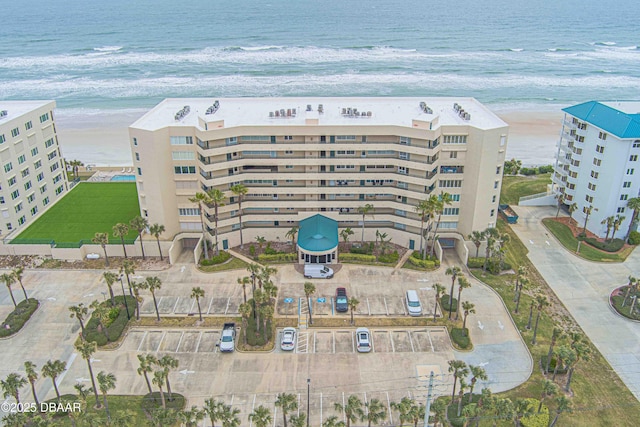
461, 337
278, 257
634, 238
493, 265
428, 264
223, 256
418, 255
357, 257
18, 317
444, 303
609, 246
118, 322
366, 249
389, 258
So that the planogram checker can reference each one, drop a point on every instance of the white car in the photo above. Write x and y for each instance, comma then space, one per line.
363, 340
288, 339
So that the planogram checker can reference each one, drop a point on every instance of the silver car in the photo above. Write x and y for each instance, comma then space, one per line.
288, 339
363, 340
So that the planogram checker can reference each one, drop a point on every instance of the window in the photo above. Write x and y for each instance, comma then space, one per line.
624, 196
22, 220
405, 141
181, 140
597, 162
288, 137
54, 166
12, 181
345, 137
138, 156
451, 211
135, 141
636, 144
9, 226
15, 194
34, 210
45, 201
185, 169
57, 178
28, 125
498, 170
15, 132
602, 136
255, 138
288, 152
289, 167
589, 199
450, 183
456, 197
189, 212
620, 210
2, 138
346, 152
139, 171
345, 167
24, 172
626, 184
1, 200
633, 158
455, 139
34, 151
18, 207
44, 117
43, 189
495, 184
630, 171
31, 198
38, 164
599, 148
594, 174
453, 154
8, 167
403, 156
231, 141
51, 155
403, 170
493, 199
493, 212
591, 187
178, 155
21, 159
27, 185
59, 190
48, 143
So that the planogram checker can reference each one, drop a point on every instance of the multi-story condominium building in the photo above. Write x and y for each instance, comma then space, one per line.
597, 164
302, 156
33, 173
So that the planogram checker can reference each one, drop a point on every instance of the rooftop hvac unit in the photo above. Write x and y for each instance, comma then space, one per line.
467, 116
3, 113
344, 111
320, 108
456, 106
277, 113
309, 107
422, 105
293, 112
271, 114
288, 112
368, 113
282, 112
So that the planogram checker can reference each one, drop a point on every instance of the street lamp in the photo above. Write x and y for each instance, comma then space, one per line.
308, 393
126, 306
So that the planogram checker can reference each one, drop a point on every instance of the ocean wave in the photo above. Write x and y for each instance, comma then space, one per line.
602, 43
516, 49
107, 48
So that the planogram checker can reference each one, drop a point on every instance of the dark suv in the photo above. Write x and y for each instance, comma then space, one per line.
342, 304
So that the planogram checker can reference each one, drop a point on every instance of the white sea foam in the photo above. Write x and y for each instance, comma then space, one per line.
108, 48
516, 49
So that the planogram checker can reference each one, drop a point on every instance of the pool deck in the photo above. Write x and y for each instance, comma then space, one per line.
108, 175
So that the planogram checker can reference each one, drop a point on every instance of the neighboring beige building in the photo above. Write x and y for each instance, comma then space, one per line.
33, 173
308, 155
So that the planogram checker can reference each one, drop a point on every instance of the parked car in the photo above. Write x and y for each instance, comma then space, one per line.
227, 338
413, 303
342, 302
288, 339
363, 340
317, 271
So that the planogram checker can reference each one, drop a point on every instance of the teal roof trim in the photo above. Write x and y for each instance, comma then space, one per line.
318, 234
609, 119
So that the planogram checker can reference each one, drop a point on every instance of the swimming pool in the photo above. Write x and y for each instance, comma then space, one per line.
123, 178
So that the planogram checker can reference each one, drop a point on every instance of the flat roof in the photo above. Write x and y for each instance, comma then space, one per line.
389, 111
18, 108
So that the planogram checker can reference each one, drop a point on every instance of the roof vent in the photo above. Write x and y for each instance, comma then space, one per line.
182, 113
425, 108
213, 108
3, 113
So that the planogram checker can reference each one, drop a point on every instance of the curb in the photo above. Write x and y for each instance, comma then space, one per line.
616, 312
37, 310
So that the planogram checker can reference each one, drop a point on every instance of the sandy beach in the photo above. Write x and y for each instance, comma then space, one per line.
103, 139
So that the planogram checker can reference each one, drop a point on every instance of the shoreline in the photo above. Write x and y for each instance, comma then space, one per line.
101, 138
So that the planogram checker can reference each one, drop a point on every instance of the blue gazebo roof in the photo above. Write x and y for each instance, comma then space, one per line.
318, 234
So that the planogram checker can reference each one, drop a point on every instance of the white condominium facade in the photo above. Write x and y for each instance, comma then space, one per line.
33, 173
597, 162
303, 156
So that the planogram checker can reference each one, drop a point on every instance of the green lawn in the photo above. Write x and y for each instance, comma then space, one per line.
233, 264
514, 187
87, 209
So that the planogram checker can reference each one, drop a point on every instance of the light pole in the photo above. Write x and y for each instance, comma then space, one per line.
308, 394
126, 306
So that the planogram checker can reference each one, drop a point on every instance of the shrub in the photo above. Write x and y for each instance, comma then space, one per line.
115, 327
634, 238
552, 365
389, 258
545, 169
493, 264
418, 255
528, 171
426, 264
366, 249
223, 256
252, 250
357, 258
277, 257
444, 303
18, 317
269, 250
536, 419
475, 262
609, 246
460, 337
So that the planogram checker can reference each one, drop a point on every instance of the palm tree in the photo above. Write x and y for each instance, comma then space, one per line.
521, 273
609, 222
616, 225
110, 278
9, 279
136, 295
309, 289
541, 303
158, 380
459, 369
332, 421
102, 239
287, 402
156, 230
245, 312
572, 208
469, 308
17, 273
417, 414
240, 191
634, 204
139, 224
214, 409
562, 405
524, 283
564, 357
439, 292
230, 417
260, 240
549, 388
586, 219
454, 272
352, 410
101, 313
477, 373
425, 208
11, 386
266, 311
346, 233
200, 199
216, 197
191, 417
260, 416
291, 234
52, 369
557, 334
439, 408
32, 377
167, 363
128, 268
375, 412
146, 366
353, 304
121, 230
463, 283
630, 286
106, 382
444, 199
244, 281
152, 284
79, 311
86, 350
364, 211
477, 237
523, 409
198, 293
403, 408
463, 387
299, 420
560, 199
582, 352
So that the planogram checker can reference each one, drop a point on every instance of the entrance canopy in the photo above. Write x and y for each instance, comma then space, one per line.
318, 234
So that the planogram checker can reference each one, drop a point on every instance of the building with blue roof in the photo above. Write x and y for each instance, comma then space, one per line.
318, 240
597, 166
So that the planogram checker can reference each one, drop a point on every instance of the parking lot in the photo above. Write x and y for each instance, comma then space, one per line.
184, 305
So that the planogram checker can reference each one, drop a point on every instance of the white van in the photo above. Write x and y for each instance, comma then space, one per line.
413, 303
317, 271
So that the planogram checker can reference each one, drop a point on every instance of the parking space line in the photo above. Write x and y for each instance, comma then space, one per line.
433, 350
366, 407
393, 347
275, 415
179, 342
368, 308
210, 303
191, 308
253, 406
164, 333
373, 347
411, 341
199, 339
333, 334
298, 404
176, 304
353, 342
344, 415
404, 309
232, 396
142, 340
332, 308
160, 301
385, 305
389, 409
320, 408
314, 343
227, 308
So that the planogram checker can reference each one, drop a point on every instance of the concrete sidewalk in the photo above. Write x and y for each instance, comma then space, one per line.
584, 288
